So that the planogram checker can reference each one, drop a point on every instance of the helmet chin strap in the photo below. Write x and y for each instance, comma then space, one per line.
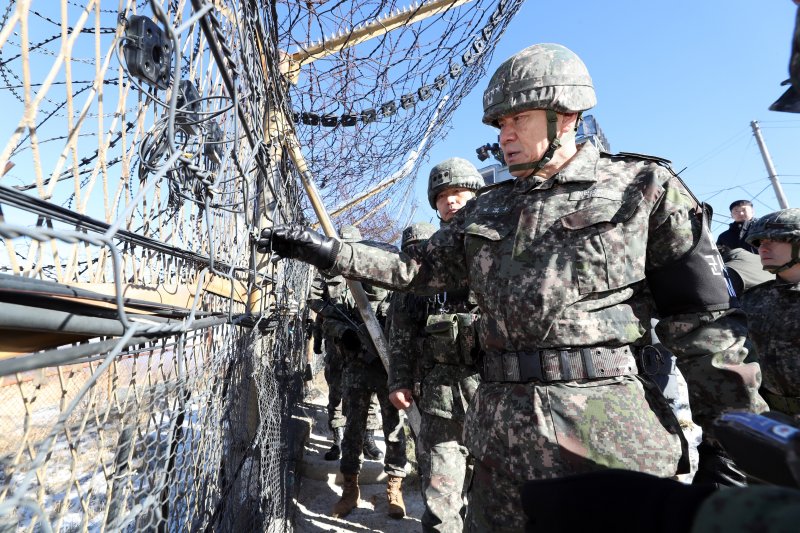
555, 144
795, 260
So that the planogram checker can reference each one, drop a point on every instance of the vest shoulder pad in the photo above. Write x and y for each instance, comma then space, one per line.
493, 186
757, 290
644, 157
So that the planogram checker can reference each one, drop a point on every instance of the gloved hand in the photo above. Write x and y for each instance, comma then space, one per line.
308, 375
611, 500
351, 340
293, 241
318, 345
716, 468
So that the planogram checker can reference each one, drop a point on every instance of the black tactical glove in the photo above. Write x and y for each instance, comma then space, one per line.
716, 468
611, 500
351, 340
318, 344
293, 241
308, 375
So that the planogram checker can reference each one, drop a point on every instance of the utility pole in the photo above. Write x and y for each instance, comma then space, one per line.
773, 175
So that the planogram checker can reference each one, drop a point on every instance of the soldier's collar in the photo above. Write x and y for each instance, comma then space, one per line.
581, 168
786, 285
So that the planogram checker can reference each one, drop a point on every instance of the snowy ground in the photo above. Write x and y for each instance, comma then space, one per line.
319, 490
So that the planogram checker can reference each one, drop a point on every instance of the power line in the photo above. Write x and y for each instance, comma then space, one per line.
718, 149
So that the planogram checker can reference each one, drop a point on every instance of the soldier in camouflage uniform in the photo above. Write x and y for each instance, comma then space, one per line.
434, 356
364, 377
569, 263
327, 299
773, 309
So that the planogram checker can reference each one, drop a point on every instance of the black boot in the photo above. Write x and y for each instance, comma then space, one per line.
371, 450
335, 453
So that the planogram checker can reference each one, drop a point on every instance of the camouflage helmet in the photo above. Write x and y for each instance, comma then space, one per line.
349, 234
416, 233
542, 76
783, 225
452, 173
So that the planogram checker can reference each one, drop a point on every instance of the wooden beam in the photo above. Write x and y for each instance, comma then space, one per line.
177, 295
15, 342
372, 211
350, 38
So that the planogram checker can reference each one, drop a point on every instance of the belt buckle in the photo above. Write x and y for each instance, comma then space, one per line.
530, 367
510, 366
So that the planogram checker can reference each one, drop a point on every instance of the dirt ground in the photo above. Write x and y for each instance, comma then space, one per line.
319, 488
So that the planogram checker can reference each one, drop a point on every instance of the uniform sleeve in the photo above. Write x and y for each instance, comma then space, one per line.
316, 296
436, 266
405, 332
709, 345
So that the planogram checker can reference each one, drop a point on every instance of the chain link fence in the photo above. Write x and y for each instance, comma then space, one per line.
149, 357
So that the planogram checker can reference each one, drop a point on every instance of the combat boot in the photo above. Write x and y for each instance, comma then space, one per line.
394, 493
349, 499
336, 450
371, 450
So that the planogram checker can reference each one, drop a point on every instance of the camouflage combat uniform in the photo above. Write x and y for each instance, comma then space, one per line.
328, 297
777, 341
772, 309
563, 264
433, 353
365, 375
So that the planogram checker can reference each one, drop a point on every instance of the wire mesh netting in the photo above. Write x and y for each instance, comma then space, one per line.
150, 357
368, 114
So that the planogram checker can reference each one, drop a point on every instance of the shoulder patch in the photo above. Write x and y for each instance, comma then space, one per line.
644, 157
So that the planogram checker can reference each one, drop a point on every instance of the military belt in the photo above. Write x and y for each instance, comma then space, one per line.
785, 404
558, 364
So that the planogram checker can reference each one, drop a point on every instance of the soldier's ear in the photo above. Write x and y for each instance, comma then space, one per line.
567, 122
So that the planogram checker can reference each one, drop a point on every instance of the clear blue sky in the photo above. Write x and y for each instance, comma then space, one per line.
681, 80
